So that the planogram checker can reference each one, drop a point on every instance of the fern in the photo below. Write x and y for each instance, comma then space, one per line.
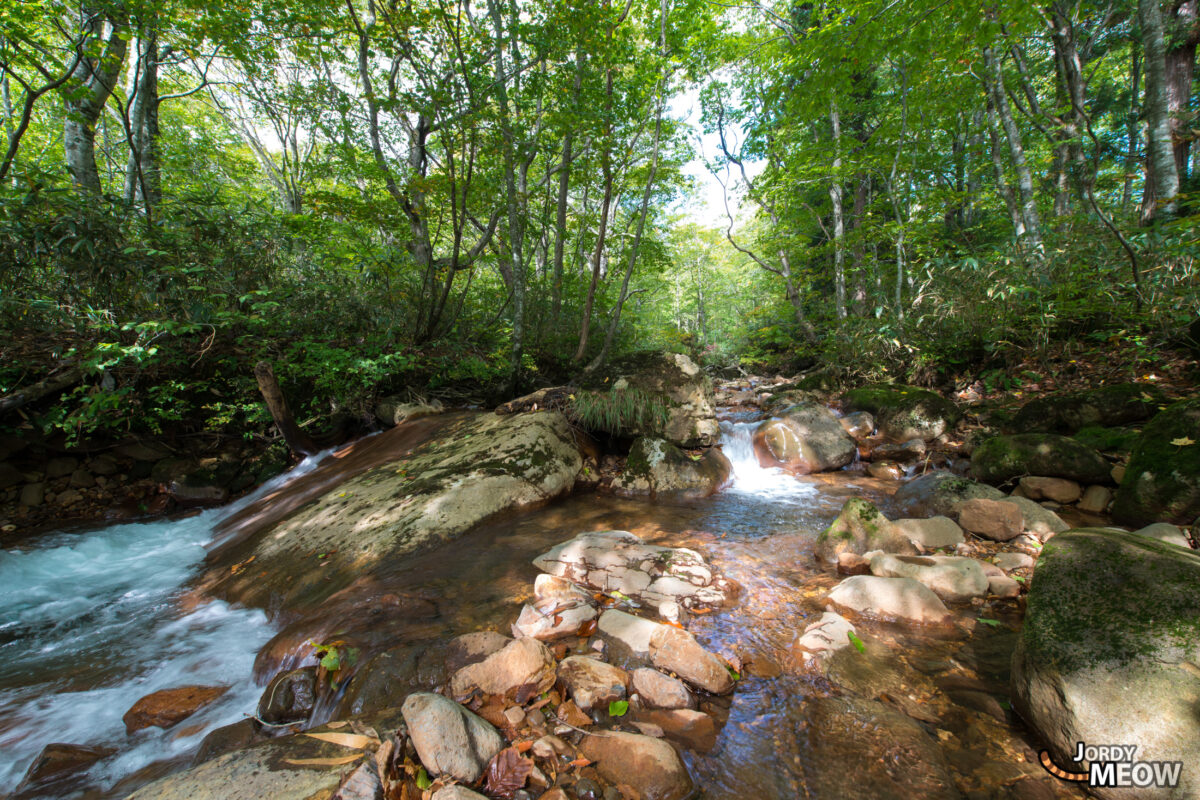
619, 410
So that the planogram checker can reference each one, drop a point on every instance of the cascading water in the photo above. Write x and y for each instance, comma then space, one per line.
91, 621
750, 477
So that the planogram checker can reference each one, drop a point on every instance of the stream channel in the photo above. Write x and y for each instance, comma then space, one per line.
92, 621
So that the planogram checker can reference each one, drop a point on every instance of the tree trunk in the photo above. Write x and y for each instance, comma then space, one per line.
1027, 207
560, 217
1002, 187
839, 223
142, 182
299, 441
1131, 126
91, 83
1160, 153
1182, 36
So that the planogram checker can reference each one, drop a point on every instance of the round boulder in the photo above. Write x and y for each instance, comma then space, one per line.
1003, 458
1162, 481
904, 412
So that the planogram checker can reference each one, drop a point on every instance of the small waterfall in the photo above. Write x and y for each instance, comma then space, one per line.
750, 477
92, 621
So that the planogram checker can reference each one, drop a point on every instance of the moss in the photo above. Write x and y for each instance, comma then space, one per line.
1108, 440
1102, 599
1003, 458
1162, 481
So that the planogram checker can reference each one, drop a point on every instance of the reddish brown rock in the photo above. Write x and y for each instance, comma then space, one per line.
167, 707
992, 519
648, 766
695, 730
57, 769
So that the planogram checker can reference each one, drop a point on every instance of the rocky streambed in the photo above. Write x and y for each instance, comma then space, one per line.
448, 619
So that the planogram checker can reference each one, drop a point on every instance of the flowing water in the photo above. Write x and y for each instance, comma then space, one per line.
93, 622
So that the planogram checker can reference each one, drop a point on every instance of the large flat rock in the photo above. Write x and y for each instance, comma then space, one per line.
475, 466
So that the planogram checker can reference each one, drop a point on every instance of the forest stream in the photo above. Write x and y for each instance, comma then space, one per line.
94, 620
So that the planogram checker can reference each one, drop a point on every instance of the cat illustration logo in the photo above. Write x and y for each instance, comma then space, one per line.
1112, 766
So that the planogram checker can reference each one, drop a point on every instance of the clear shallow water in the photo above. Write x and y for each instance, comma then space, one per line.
92, 621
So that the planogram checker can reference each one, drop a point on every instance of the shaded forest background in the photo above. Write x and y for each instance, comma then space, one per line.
467, 200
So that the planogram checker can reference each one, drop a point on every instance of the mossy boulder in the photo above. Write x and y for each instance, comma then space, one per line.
689, 418
939, 493
1107, 440
471, 467
657, 468
1104, 406
806, 438
904, 412
1162, 481
860, 528
1003, 458
1109, 649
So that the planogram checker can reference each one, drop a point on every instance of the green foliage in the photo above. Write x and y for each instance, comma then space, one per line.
618, 410
618, 708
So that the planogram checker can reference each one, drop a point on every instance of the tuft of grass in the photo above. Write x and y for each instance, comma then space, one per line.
619, 410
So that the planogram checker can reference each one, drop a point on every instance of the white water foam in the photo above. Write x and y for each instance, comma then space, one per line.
90, 622
750, 477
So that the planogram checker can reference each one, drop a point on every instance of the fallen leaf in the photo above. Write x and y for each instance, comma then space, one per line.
524, 746
507, 772
587, 628
355, 740
1182, 441
341, 723
322, 762
569, 713
579, 762
618, 708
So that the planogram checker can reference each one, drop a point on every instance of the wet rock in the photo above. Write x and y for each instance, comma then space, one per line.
57, 770
104, 464
32, 494
391, 411
1107, 406
165, 708
885, 470
60, 467
449, 739
931, 533
524, 665
951, 578
806, 438
1003, 458
68, 498
890, 599
82, 479
657, 468
188, 494
1003, 586
386, 678
1095, 499
289, 697
904, 412
548, 620
1165, 532
852, 564
692, 729
859, 424
618, 561
940, 493
991, 519
649, 766
823, 638
1010, 561
690, 419
10, 476
552, 587
633, 639
863, 748
912, 450
1060, 490
1109, 648
471, 648
657, 690
859, 528
228, 738
591, 683
472, 467
1162, 480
